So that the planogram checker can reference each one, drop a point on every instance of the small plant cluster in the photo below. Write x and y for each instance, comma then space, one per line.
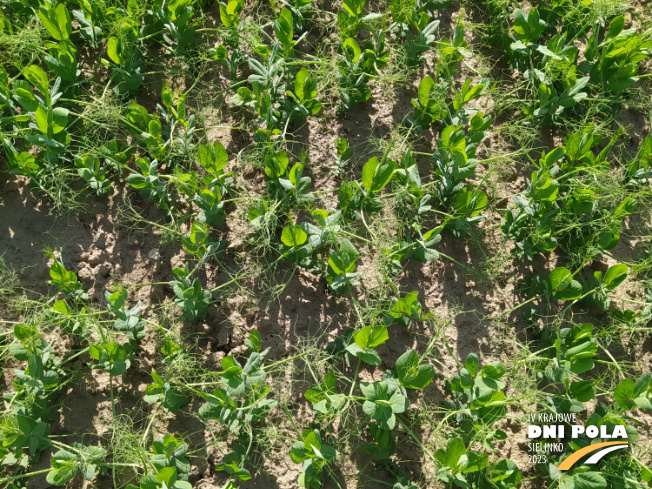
559, 74
38, 102
564, 209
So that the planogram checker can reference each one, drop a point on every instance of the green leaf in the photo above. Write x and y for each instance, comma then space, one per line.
425, 374
41, 118
368, 172
520, 24
582, 391
589, 480
410, 373
167, 475
560, 278
426, 87
624, 394
615, 27
293, 236
276, 165
571, 293
382, 175
351, 48
371, 337
154, 127
454, 452
562, 285
615, 276
471, 364
506, 473
475, 462
58, 477
113, 50
367, 355
255, 340
37, 77
56, 21
471, 203
406, 363
59, 119
214, 158
283, 28
63, 467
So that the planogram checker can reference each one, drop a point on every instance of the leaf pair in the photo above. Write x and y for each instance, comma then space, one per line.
383, 402
364, 342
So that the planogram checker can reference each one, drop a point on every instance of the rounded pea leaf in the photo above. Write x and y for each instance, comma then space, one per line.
293, 236
624, 394
563, 286
582, 390
615, 276
559, 278
616, 26
371, 337
588, 480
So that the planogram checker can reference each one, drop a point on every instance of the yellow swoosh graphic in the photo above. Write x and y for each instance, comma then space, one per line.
571, 459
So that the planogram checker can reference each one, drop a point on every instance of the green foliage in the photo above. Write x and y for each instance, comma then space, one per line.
56, 20
639, 169
126, 62
411, 373
426, 106
73, 130
405, 310
284, 30
342, 155
359, 197
356, 67
285, 182
190, 296
66, 464
341, 274
630, 394
454, 163
551, 62
416, 27
38, 96
314, 455
613, 63
418, 246
303, 100
350, 19
479, 393
456, 462
530, 222
556, 209
91, 170
25, 428
127, 320
90, 17
168, 451
165, 478
175, 18
65, 279
382, 403
241, 401
364, 342
149, 183
170, 398
111, 356
229, 13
